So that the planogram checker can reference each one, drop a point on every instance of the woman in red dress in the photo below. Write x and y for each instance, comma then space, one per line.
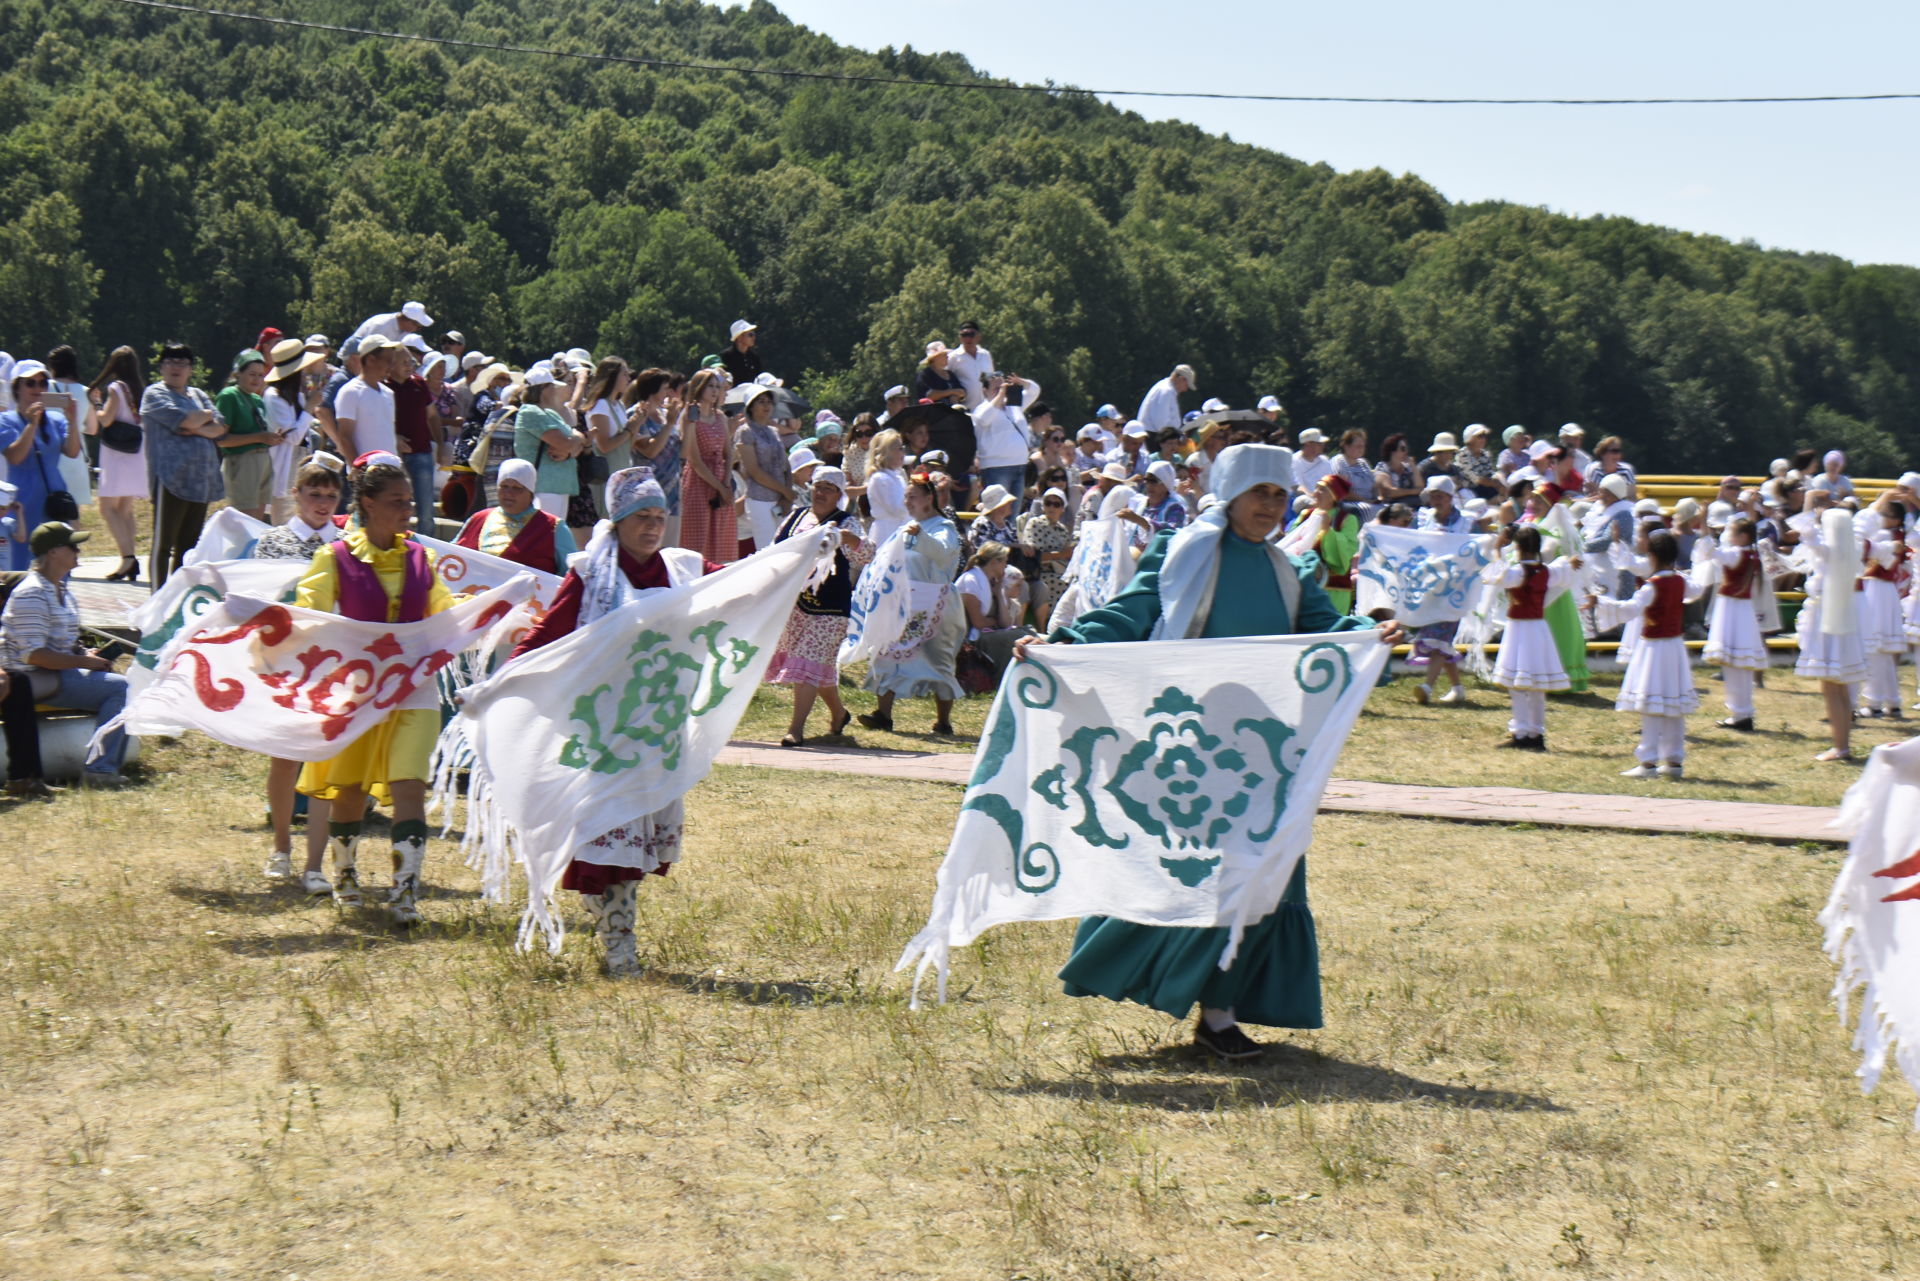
706, 488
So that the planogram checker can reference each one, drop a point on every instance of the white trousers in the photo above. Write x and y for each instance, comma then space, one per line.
553, 504
1662, 739
1738, 684
1883, 681
1529, 713
763, 521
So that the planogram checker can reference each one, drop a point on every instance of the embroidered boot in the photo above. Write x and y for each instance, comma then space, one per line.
615, 923
409, 853
346, 877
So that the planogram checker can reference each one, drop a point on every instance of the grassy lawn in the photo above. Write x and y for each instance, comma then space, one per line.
1628, 1068
1399, 741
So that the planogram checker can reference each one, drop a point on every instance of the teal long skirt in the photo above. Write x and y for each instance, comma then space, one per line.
1274, 982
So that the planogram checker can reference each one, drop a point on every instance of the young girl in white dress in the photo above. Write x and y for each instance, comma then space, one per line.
1829, 632
1528, 666
1659, 679
1733, 627
1883, 629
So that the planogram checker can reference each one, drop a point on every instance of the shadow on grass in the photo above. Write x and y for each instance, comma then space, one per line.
748, 991
306, 944
287, 896
1286, 1074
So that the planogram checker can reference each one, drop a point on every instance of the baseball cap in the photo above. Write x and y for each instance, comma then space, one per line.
1313, 436
414, 342
540, 375
417, 314
1106, 411
473, 360
1213, 406
318, 340
1135, 428
1443, 483
454, 335
370, 343
1271, 404
55, 533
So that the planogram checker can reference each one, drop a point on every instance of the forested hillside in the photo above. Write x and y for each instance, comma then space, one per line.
162, 173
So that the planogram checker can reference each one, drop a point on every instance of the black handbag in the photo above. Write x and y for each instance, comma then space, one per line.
60, 503
121, 437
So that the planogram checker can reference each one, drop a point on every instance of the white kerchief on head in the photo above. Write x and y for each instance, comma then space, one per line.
522, 473
835, 477
1241, 467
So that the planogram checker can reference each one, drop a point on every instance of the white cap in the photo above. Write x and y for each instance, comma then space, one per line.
1114, 471
455, 336
473, 360
1779, 467
1213, 406
898, 389
1718, 514
1440, 482
1524, 473
1313, 436
1573, 429
802, 457
1090, 432
1910, 480
1647, 507
1186, 372
414, 342
739, 327
318, 340
1135, 427
541, 375
578, 356
27, 369
1540, 449
1618, 485
417, 314
767, 380
1271, 404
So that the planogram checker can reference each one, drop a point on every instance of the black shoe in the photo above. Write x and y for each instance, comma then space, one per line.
1513, 742
872, 721
1228, 1042
1538, 743
1743, 723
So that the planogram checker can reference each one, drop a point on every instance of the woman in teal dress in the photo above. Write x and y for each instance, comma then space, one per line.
1221, 576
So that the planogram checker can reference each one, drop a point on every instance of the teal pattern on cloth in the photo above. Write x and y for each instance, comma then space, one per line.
1275, 979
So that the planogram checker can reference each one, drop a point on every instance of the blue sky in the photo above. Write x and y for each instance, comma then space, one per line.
1832, 177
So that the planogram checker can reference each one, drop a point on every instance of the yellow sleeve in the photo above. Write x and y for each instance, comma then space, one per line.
438, 597
320, 585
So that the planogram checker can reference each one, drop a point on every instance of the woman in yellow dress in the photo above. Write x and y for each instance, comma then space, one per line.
378, 574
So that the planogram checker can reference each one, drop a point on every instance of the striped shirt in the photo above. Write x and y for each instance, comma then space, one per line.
40, 614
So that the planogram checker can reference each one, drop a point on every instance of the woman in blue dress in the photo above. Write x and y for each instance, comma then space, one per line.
33, 438
1221, 576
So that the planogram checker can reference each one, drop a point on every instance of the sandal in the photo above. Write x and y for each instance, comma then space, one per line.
1834, 754
793, 740
839, 727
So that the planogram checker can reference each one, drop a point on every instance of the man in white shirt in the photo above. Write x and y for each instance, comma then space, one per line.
363, 412
1311, 464
395, 325
1002, 439
1160, 409
971, 363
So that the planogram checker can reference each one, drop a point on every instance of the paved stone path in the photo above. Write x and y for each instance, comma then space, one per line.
1347, 796
102, 604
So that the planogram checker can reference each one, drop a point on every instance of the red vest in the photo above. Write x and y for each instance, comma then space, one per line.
532, 546
1737, 583
1874, 569
363, 596
1529, 599
1666, 615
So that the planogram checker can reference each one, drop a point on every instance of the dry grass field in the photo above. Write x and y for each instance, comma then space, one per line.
1549, 1054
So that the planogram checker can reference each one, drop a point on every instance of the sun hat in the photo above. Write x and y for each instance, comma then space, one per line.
55, 533
1114, 471
1506, 437
633, 489
1269, 404
1440, 483
755, 391
1474, 429
522, 473
802, 457
1313, 436
739, 327
417, 314
1909, 480
579, 356
832, 427
1540, 449
1685, 510
1444, 443
995, 497
936, 348
291, 356
1827, 460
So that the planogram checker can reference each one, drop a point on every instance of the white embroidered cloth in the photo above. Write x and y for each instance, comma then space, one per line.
1161, 782
882, 602
1872, 919
594, 731
1422, 575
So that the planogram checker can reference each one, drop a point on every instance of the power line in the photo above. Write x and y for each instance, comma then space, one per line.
672, 64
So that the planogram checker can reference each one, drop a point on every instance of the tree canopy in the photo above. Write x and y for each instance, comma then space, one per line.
167, 174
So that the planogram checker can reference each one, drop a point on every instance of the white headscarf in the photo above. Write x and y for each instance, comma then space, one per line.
1193, 557
522, 473
835, 477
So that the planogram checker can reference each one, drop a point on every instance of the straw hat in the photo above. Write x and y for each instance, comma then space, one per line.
291, 356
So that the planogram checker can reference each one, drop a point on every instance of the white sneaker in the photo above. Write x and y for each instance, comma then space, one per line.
1671, 772
316, 884
279, 865
1642, 770
1454, 696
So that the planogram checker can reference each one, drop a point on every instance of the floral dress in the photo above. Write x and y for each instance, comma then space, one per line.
1044, 535
809, 648
704, 527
